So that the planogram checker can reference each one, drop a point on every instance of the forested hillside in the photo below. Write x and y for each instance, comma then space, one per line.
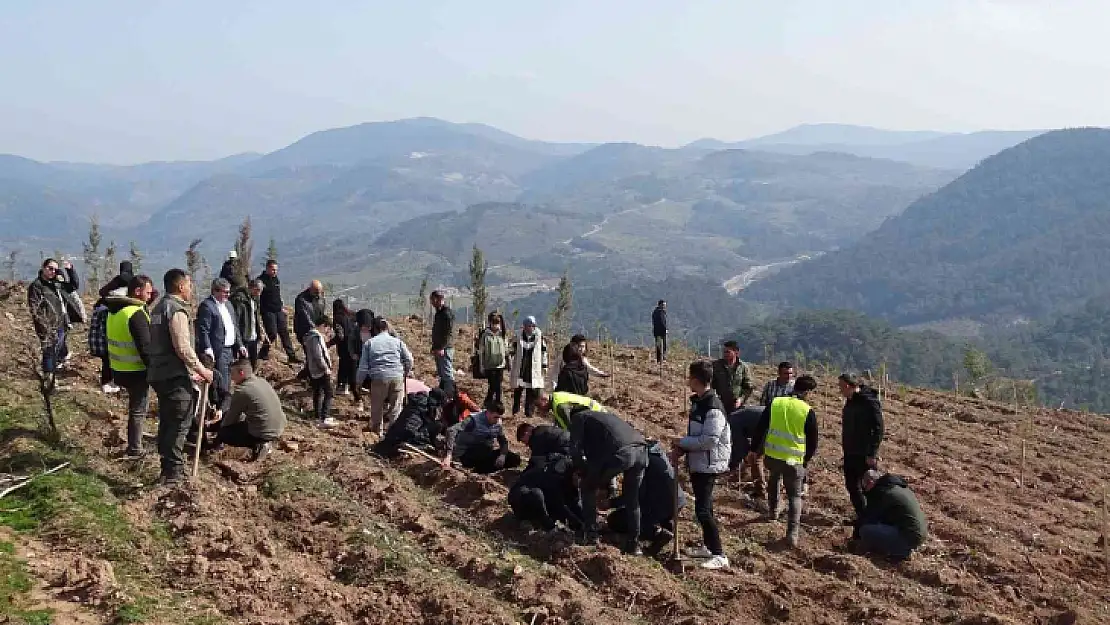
1021, 235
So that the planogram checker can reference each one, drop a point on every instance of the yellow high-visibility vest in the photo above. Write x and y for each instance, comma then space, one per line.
562, 403
123, 354
786, 438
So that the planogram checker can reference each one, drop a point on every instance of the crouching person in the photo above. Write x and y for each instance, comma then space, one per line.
657, 504
893, 523
255, 418
543, 440
471, 442
604, 446
545, 494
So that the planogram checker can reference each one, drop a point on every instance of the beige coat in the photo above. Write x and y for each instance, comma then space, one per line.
539, 362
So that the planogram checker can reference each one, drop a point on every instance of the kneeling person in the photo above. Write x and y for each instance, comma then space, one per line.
255, 417
543, 440
471, 442
893, 523
545, 493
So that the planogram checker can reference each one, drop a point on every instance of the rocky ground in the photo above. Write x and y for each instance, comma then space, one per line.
323, 533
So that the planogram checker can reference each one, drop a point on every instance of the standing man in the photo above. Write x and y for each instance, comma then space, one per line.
787, 436
308, 308
659, 330
732, 379
443, 341
707, 446
273, 313
782, 386
386, 361
603, 446
128, 335
230, 269
248, 318
218, 335
173, 369
860, 435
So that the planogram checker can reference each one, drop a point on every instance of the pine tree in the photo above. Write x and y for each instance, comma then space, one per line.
193, 260
109, 260
271, 250
478, 269
136, 258
92, 256
421, 301
244, 248
559, 319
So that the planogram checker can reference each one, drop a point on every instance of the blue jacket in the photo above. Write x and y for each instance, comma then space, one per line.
210, 328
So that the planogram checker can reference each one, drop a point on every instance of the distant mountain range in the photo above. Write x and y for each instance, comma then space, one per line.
328, 197
926, 148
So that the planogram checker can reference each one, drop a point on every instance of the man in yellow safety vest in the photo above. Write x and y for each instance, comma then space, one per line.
128, 334
561, 405
787, 437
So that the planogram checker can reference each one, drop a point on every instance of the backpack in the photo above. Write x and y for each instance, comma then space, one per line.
493, 350
98, 332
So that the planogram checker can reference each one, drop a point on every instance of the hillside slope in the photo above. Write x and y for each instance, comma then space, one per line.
321, 533
1021, 235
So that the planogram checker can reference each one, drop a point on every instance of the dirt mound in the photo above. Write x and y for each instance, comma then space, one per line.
323, 532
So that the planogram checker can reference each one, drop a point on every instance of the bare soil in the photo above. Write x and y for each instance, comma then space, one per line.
323, 533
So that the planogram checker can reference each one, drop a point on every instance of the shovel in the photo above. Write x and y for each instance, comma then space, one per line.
202, 403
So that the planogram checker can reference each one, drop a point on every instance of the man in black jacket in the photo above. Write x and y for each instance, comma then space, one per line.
308, 309
443, 341
545, 493
273, 313
603, 446
861, 435
544, 440
659, 330
657, 505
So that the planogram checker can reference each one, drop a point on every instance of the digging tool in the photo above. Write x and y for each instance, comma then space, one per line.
676, 553
202, 403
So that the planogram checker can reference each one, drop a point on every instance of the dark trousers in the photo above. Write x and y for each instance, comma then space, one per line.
794, 476
322, 395
632, 461
252, 352
105, 370
176, 402
855, 467
660, 348
277, 326
494, 378
530, 395
54, 350
237, 435
348, 368
482, 459
224, 356
529, 504
649, 525
138, 400
703, 509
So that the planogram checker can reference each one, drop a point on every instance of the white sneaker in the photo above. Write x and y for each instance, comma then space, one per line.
329, 423
345, 392
715, 563
109, 388
700, 553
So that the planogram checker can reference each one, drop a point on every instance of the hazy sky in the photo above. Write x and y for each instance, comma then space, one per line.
126, 81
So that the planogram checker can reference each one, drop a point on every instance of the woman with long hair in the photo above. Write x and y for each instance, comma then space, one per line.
343, 323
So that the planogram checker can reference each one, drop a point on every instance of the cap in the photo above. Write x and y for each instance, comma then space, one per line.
530, 320
232, 254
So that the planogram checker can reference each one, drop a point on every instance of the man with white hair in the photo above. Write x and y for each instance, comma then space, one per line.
218, 335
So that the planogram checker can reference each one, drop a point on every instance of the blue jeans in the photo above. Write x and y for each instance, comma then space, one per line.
54, 351
885, 540
445, 368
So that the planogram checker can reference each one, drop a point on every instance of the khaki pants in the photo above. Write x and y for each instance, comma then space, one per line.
385, 402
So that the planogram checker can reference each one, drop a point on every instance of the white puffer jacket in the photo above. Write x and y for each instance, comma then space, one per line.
708, 440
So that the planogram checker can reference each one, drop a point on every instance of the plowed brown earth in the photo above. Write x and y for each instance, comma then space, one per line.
323, 533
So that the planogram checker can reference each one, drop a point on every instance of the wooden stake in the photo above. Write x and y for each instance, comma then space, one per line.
1021, 481
202, 403
1105, 532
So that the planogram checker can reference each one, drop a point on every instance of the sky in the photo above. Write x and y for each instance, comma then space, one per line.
124, 81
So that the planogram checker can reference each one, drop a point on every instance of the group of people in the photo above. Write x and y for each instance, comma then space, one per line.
157, 343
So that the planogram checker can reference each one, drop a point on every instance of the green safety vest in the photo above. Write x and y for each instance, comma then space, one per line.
123, 355
786, 438
568, 401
